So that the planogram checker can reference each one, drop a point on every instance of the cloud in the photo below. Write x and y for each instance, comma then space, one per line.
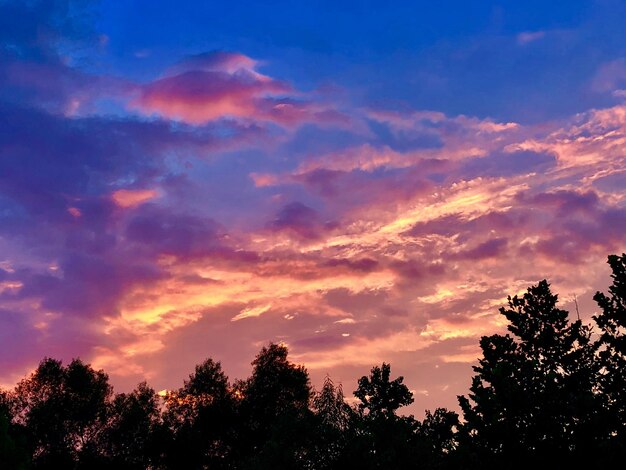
507, 164
251, 312
564, 202
132, 197
526, 37
217, 85
83, 285
610, 76
221, 208
160, 231
301, 221
413, 269
489, 249
229, 62
201, 96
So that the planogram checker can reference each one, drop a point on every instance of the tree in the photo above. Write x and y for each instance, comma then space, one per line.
437, 432
274, 410
128, 439
330, 407
533, 396
277, 386
332, 421
63, 409
612, 344
379, 438
379, 396
200, 415
13, 453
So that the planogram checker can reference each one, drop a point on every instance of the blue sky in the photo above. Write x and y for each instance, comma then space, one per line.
453, 56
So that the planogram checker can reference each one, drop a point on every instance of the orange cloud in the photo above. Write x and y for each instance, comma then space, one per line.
132, 197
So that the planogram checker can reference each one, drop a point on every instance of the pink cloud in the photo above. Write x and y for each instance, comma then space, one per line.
365, 252
527, 37
126, 198
262, 180
200, 96
217, 85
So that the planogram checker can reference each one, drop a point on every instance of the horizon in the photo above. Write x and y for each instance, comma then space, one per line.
361, 184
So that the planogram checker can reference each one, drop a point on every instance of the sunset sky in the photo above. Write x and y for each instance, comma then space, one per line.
363, 181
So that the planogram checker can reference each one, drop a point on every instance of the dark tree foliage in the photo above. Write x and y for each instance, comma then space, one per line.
532, 400
545, 395
380, 438
332, 418
436, 438
381, 397
13, 451
612, 324
200, 418
330, 407
276, 386
63, 409
129, 437
274, 410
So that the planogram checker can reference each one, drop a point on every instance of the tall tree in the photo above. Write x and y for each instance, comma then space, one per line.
612, 343
63, 410
275, 412
201, 416
13, 452
380, 438
532, 398
330, 406
332, 421
129, 437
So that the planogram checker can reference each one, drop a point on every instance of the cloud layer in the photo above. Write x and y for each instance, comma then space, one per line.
211, 208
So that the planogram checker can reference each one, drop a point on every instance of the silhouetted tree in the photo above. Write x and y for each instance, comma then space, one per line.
532, 399
13, 452
201, 416
379, 438
129, 437
332, 421
330, 407
275, 412
436, 438
612, 344
63, 410
379, 395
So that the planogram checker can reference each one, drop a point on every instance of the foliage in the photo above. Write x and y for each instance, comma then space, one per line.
63, 409
611, 322
332, 422
533, 398
380, 396
129, 436
199, 416
274, 411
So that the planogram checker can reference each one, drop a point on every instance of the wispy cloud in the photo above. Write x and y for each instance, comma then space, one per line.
219, 207
526, 37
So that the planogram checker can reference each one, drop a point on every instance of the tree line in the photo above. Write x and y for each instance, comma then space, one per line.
550, 393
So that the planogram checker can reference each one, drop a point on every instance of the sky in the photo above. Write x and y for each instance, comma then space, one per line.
361, 181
